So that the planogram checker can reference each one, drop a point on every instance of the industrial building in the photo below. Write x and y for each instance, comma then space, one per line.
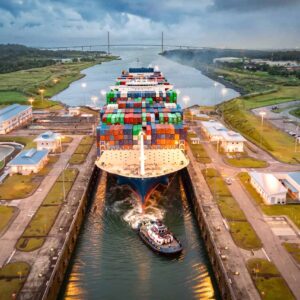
49, 140
14, 116
269, 187
28, 161
230, 141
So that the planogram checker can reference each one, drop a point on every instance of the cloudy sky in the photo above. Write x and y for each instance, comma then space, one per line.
221, 23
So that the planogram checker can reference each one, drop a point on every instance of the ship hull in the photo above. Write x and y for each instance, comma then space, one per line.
143, 187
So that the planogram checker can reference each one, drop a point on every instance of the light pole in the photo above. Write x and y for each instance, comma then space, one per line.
262, 114
63, 175
224, 93
103, 94
42, 91
31, 100
55, 80
186, 100
94, 99
83, 85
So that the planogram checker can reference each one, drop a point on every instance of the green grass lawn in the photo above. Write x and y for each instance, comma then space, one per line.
6, 214
242, 232
273, 140
77, 159
290, 210
17, 87
56, 194
23, 186
268, 280
294, 250
246, 162
12, 278
42, 221
82, 150
28, 244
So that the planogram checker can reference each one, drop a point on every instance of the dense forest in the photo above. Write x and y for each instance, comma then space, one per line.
18, 57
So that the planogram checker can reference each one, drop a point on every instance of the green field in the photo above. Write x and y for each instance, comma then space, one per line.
246, 162
295, 112
6, 214
17, 87
290, 210
241, 231
268, 280
82, 150
12, 278
237, 113
26, 141
198, 151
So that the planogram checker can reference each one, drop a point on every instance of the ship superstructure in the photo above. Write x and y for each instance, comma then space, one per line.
141, 136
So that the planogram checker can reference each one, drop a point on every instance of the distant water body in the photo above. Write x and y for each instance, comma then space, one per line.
189, 81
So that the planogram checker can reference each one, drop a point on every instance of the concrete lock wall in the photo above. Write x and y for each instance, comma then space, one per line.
58, 274
216, 262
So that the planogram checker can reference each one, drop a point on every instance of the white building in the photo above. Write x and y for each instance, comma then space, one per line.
230, 141
269, 187
28, 161
48, 140
14, 116
74, 111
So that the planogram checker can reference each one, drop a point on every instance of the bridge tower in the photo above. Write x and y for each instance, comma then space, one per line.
108, 44
162, 42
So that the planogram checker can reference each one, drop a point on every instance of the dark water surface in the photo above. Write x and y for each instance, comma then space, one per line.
111, 262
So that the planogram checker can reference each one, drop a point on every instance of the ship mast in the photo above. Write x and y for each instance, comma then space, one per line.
142, 154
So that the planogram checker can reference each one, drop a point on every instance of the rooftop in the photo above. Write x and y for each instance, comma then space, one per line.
48, 136
295, 176
268, 182
28, 157
11, 111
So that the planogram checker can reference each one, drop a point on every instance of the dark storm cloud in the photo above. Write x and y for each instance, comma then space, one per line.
252, 5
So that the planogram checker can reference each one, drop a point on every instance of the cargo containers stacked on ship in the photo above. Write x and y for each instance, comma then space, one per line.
141, 101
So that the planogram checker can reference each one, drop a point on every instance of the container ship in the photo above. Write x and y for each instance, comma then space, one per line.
141, 136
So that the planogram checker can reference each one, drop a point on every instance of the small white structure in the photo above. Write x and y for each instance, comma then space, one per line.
14, 116
230, 141
269, 187
74, 111
28, 161
195, 141
49, 140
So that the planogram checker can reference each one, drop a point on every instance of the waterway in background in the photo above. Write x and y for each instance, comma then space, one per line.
111, 262
189, 81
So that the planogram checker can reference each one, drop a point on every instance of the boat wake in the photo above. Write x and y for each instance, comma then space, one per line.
133, 212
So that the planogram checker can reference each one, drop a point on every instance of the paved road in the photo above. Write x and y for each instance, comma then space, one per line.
29, 206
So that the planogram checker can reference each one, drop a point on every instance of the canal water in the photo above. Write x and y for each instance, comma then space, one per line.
189, 81
110, 261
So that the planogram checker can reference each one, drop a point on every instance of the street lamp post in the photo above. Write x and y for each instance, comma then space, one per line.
186, 100
31, 100
94, 99
83, 85
42, 91
262, 114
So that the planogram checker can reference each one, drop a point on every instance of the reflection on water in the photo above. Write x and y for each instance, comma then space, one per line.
189, 81
111, 262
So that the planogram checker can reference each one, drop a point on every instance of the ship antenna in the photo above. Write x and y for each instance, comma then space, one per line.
142, 154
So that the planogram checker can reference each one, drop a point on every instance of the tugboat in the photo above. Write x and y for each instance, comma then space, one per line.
157, 236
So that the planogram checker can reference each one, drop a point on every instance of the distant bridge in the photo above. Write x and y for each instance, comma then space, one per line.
108, 45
